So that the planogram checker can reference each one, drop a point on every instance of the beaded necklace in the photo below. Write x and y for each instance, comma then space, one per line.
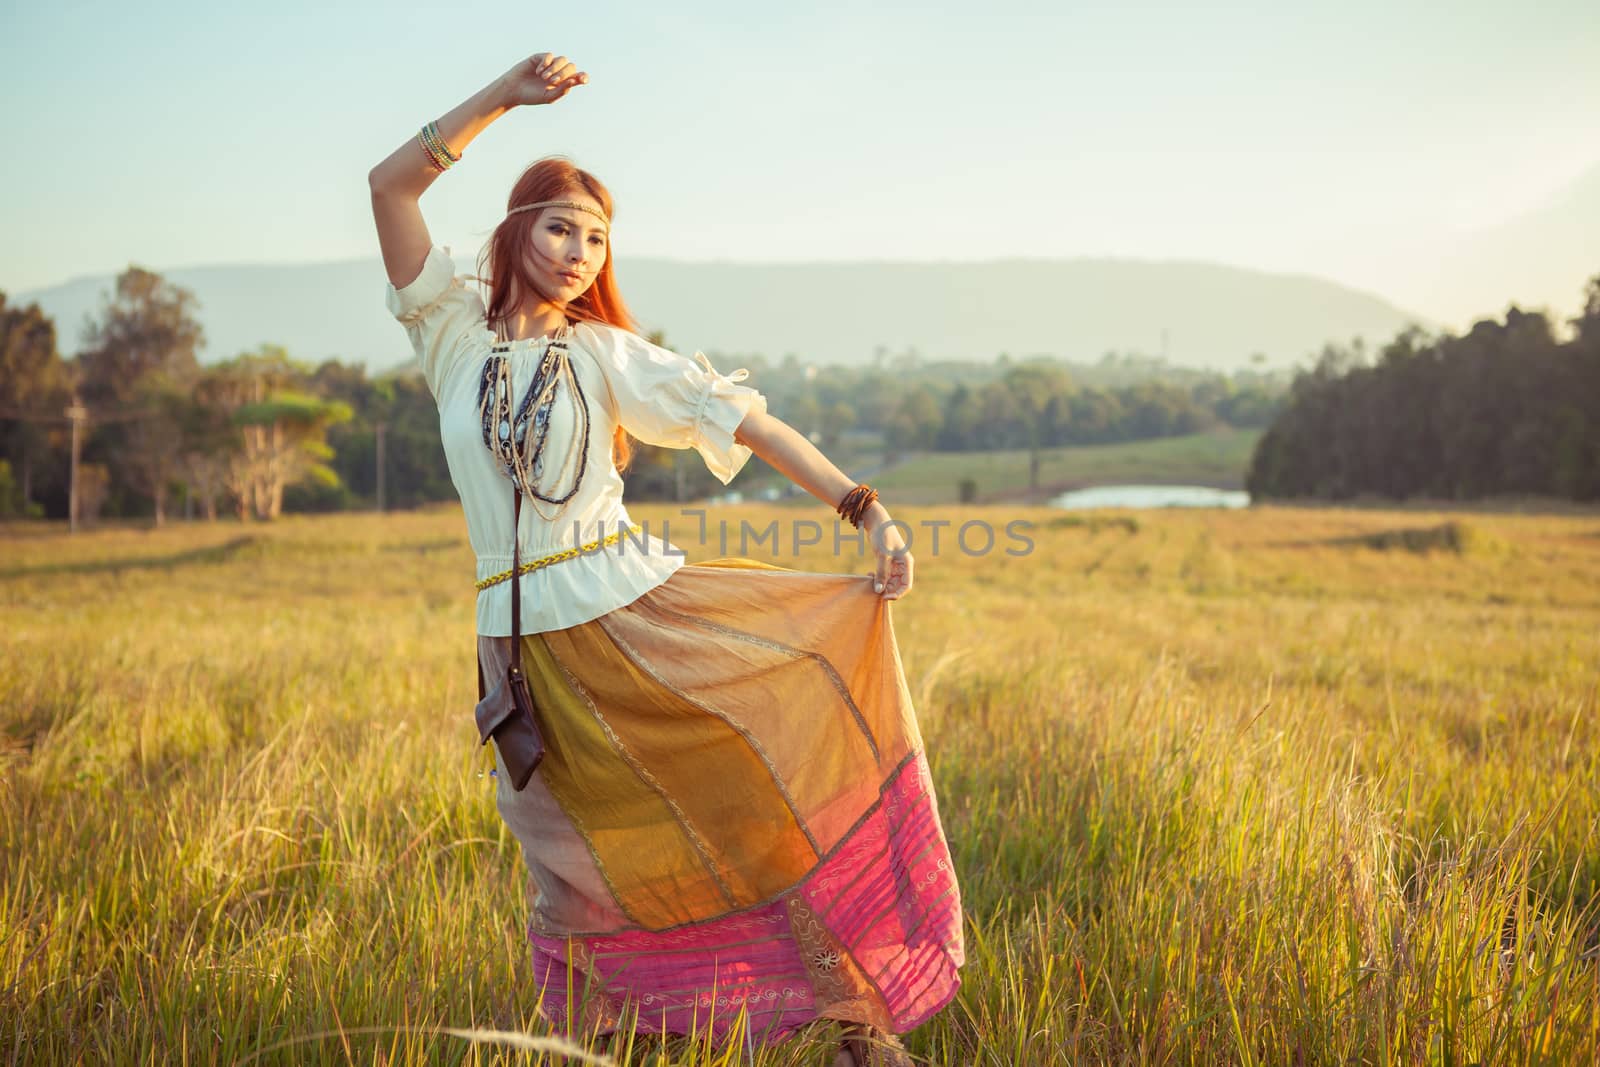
506, 435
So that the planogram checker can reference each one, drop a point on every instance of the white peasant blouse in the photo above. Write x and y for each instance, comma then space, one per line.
656, 395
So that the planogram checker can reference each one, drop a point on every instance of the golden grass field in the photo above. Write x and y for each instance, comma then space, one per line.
1279, 786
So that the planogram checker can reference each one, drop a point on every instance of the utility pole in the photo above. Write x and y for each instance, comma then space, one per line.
381, 426
78, 414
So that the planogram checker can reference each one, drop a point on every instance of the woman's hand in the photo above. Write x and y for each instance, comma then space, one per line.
893, 578
541, 79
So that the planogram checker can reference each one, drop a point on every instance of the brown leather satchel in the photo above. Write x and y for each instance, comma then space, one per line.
507, 713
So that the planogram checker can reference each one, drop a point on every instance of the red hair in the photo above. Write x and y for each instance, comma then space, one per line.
510, 248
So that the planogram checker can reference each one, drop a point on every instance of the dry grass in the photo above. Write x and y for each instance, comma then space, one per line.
1223, 787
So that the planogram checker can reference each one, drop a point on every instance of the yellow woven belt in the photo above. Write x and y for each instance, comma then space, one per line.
564, 554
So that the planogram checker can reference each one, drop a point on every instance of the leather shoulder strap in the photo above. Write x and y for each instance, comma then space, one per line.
516, 589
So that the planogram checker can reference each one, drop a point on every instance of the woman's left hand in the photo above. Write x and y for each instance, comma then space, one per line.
893, 577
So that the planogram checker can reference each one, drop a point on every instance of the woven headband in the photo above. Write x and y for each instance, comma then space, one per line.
563, 203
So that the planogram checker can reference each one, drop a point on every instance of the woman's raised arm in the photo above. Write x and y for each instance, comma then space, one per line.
400, 180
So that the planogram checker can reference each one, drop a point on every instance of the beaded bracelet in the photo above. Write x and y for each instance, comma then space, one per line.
439, 153
856, 502
441, 148
843, 506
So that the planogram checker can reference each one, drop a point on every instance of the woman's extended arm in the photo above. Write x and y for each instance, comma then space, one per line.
788, 450
400, 180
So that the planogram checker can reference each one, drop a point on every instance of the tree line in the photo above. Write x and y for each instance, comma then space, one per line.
142, 428
1506, 409
133, 417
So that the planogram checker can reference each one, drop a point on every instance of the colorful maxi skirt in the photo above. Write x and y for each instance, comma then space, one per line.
734, 824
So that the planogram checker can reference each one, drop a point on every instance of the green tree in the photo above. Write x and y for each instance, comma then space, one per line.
138, 354
282, 428
286, 442
1506, 408
1035, 387
34, 384
153, 460
916, 421
838, 418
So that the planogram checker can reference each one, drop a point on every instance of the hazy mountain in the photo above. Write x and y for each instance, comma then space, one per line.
1552, 249
1212, 315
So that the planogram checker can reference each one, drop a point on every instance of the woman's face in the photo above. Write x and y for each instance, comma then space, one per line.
569, 248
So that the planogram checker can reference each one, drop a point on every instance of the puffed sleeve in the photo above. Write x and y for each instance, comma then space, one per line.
439, 311
665, 399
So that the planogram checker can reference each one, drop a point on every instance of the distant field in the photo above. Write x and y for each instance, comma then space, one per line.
1269, 786
1218, 460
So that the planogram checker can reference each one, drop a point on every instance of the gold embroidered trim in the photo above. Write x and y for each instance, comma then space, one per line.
838, 985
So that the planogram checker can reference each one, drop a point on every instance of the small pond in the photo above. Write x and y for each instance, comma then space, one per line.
1152, 496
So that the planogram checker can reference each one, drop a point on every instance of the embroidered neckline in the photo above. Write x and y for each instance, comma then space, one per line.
506, 431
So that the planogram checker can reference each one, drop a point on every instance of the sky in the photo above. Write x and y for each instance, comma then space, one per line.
1339, 139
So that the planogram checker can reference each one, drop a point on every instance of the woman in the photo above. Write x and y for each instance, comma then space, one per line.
734, 814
